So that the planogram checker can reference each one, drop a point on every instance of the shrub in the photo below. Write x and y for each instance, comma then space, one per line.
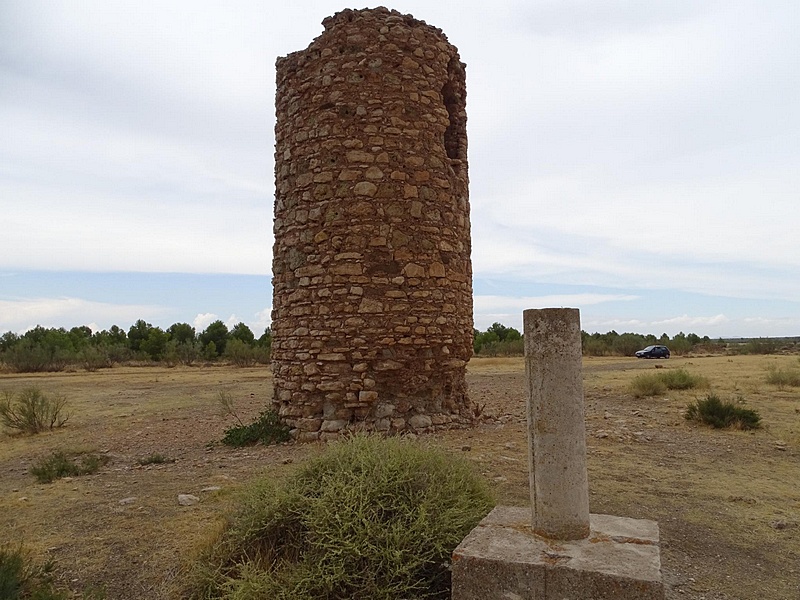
371, 518
63, 464
267, 429
31, 411
21, 579
760, 346
92, 358
262, 354
240, 353
185, 353
595, 347
654, 384
504, 348
680, 379
29, 357
783, 377
648, 384
713, 411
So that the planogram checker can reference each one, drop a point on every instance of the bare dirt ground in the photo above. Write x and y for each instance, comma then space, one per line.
727, 502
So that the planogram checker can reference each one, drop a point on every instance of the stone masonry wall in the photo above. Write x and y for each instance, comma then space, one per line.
372, 307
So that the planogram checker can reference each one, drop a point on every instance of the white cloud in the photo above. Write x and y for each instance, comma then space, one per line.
713, 326
263, 319
203, 320
647, 146
685, 321
508, 309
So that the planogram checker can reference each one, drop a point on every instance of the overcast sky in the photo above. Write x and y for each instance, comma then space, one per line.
637, 160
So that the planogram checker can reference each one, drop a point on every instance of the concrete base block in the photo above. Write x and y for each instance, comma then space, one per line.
502, 559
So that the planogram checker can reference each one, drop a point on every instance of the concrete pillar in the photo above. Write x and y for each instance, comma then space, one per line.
563, 553
556, 427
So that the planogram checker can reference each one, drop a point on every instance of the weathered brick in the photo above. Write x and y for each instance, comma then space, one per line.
372, 294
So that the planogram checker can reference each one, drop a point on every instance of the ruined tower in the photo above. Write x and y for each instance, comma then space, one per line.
372, 306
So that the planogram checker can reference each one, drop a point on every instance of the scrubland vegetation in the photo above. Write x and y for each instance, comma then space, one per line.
371, 518
499, 340
21, 577
713, 411
61, 463
44, 349
32, 411
784, 377
55, 349
725, 499
653, 384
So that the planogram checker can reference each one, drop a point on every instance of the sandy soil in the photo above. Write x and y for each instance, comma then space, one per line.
727, 502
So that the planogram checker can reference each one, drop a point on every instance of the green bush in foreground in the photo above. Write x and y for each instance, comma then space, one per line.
369, 519
63, 464
654, 384
31, 411
713, 411
20, 579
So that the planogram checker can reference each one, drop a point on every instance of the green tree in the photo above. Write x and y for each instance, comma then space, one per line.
504, 333
210, 351
155, 344
138, 333
628, 343
111, 346
80, 337
41, 349
483, 340
114, 336
680, 344
265, 341
243, 333
7, 340
216, 333
182, 333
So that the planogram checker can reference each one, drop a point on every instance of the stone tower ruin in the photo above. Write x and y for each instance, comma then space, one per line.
372, 306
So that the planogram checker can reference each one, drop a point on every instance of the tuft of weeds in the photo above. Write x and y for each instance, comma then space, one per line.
21, 578
370, 518
267, 428
31, 411
783, 377
719, 415
67, 464
155, 459
655, 384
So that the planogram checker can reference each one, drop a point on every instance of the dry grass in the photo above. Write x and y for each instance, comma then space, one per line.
721, 497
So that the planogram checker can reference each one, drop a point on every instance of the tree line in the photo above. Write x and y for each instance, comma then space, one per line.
55, 349
499, 340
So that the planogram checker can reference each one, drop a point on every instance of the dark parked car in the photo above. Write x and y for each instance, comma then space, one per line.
653, 352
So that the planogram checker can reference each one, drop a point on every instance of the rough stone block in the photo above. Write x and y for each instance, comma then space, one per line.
502, 559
